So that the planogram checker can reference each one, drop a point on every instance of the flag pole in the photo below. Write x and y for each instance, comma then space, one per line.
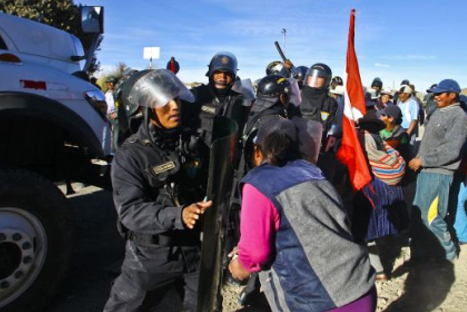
350, 152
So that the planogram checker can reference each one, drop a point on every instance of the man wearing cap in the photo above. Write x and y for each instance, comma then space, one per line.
109, 98
410, 110
111, 113
438, 158
386, 98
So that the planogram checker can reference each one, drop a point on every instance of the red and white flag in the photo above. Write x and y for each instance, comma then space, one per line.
350, 153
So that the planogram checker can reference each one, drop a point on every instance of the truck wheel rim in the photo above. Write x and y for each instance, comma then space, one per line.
23, 250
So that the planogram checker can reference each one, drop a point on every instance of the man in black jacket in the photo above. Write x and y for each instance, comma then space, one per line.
217, 98
173, 65
274, 97
157, 197
316, 103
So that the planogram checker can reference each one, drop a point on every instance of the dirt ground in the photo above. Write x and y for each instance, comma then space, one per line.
421, 289
99, 252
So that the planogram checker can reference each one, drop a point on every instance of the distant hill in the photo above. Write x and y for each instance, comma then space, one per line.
464, 91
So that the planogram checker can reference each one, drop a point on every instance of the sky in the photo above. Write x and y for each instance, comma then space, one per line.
422, 41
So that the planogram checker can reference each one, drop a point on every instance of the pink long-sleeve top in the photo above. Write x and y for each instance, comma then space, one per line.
259, 223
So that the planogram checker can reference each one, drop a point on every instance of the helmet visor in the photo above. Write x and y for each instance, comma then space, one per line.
316, 78
157, 88
244, 87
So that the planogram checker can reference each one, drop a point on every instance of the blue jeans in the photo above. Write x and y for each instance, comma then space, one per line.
429, 227
460, 222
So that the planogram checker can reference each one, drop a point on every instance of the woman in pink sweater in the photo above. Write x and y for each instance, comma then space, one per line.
295, 231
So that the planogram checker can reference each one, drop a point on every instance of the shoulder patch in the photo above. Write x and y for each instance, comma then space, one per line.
164, 167
207, 109
324, 116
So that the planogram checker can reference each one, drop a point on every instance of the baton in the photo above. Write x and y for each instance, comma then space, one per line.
281, 53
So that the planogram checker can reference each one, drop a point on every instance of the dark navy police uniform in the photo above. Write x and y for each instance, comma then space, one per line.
150, 187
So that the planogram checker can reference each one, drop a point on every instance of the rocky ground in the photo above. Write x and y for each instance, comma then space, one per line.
99, 251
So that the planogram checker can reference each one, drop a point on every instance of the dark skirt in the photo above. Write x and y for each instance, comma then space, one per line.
379, 210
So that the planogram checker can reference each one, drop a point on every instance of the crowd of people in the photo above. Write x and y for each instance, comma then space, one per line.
298, 233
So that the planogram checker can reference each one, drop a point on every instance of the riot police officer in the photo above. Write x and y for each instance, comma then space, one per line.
316, 102
157, 198
318, 105
274, 68
301, 74
274, 95
336, 81
217, 98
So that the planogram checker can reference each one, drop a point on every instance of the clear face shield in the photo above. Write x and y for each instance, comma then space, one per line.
244, 87
316, 78
157, 88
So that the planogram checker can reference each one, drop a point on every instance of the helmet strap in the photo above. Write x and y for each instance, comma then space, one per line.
153, 117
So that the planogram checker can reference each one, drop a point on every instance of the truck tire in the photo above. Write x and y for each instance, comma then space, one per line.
35, 240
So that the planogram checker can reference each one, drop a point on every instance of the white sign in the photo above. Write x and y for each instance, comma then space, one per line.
152, 53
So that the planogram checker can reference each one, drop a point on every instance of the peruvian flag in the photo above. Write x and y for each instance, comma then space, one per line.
350, 153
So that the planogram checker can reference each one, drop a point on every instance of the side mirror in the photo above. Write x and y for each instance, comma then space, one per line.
92, 19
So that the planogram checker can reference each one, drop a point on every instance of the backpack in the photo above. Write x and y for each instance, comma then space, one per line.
388, 173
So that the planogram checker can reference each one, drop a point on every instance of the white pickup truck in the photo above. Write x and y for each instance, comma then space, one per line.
52, 128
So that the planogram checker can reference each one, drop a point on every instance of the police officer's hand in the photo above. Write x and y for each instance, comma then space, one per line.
190, 214
288, 64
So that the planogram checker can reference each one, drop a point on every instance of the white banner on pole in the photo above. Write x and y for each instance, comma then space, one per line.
152, 53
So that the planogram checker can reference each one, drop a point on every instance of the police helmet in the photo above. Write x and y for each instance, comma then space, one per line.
301, 72
377, 82
405, 82
154, 88
337, 80
223, 61
273, 86
318, 70
274, 68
